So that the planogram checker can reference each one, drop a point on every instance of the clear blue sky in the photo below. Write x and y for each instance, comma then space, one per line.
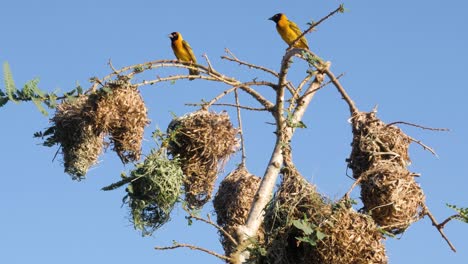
409, 57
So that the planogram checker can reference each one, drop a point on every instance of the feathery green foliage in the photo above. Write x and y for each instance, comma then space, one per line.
462, 213
31, 92
10, 86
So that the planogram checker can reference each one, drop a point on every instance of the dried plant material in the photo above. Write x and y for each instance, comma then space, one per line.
80, 143
232, 204
374, 141
295, 199
326, 234
379, 159
391, 196
203, 141
121, 112
155, 188
351, 237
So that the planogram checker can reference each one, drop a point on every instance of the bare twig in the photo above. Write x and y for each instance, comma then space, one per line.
241, 131
303, 82
212, 76
250, 65
311, 28
450, 218
439, 227
352, 107
348, 193
111, 66
243, 107
193, 247
419, 126
231, 54
210, 67
323, 85
210, 222
423, 146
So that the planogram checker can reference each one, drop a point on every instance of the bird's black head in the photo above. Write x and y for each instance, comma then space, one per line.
276, 17
174, 36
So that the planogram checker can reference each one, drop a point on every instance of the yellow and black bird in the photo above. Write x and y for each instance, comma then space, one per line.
289, 31
183, 51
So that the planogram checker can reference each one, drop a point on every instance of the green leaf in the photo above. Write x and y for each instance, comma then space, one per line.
320, 235
308, 240
303, 225
10, 86
38, 103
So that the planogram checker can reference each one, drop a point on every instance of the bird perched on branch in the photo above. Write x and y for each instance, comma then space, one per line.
289, 31
183, 51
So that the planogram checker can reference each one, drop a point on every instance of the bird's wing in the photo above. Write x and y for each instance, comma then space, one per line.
294, 27
190, 51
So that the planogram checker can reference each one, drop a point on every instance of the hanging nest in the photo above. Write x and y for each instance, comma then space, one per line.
232, 205
203, 141
335, 235
295, 199
155, 187
121, 112
74, 131
375, 141
351, 237
392, 197
379, 158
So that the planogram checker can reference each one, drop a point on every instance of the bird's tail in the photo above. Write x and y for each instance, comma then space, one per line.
193, 72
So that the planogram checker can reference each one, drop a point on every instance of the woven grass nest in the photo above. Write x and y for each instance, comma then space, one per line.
122, 114
350, 237
374, 141
392, 197
379, 159
80, 125
204, 141
80, 143
232, 204
153, 191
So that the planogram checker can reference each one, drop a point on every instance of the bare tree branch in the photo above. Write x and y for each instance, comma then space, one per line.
340, 9
193, 247
419, 126
284, 135
423, 146
241, 132
250, 65
439, 227
210, 222
448, 219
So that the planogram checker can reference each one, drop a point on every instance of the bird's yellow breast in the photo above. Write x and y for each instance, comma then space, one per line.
180, 51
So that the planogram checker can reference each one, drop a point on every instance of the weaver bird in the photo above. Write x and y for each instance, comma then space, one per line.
183, 51
289, 31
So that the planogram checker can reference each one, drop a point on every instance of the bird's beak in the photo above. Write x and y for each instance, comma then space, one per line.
271, 18
169, 36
